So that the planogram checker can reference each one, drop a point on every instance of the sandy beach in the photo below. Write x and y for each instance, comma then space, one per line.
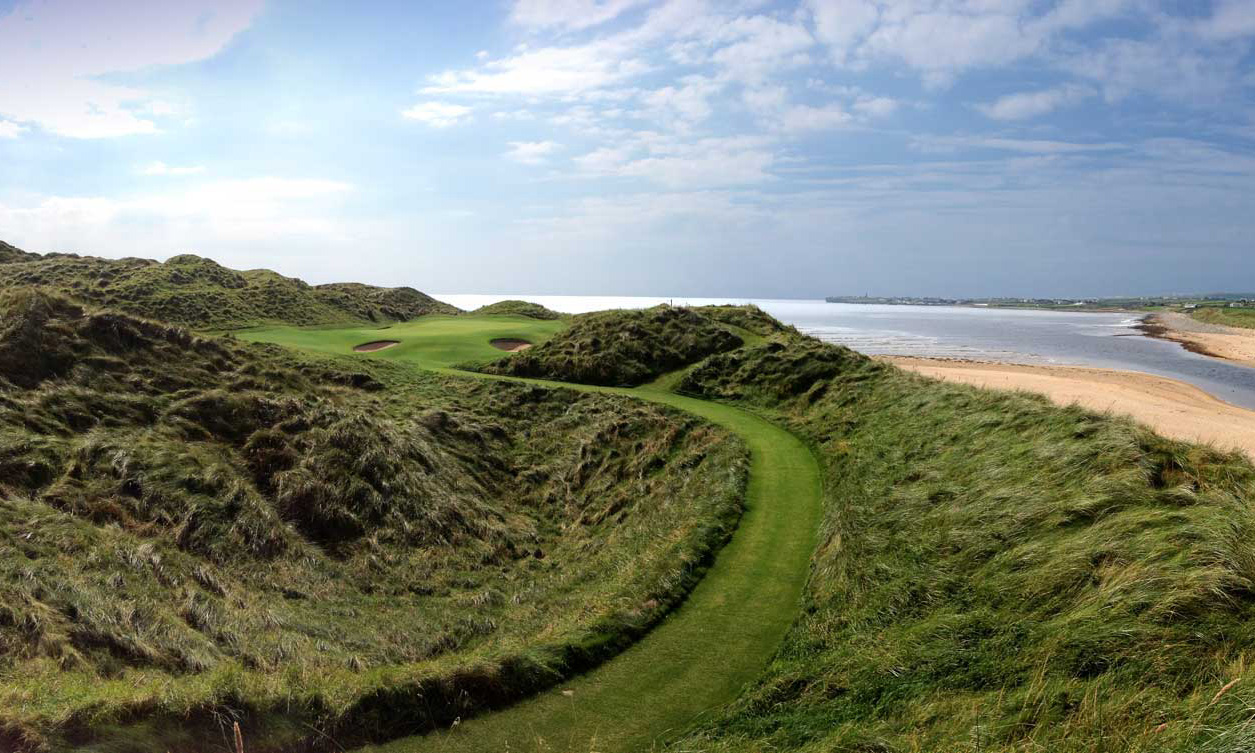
1174, 409
1229, 343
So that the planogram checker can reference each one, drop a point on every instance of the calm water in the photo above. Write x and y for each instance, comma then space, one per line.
1103, 340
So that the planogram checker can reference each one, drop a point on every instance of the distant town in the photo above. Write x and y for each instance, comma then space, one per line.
1129, 303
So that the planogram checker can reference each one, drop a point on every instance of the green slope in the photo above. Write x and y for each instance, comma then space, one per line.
702, 655
431, 341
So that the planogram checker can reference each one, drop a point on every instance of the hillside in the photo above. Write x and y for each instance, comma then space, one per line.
518, 308
623, 348
194, 527
996, 573
1243, 317
13, 253
201, 294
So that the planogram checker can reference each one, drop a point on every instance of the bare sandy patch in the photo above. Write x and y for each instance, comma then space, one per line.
1172, 408
371, 347
510, 344
1229, 343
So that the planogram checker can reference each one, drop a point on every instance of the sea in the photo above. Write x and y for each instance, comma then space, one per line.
1104, 340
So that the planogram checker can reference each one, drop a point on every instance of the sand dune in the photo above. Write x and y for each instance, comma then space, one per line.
1174, 409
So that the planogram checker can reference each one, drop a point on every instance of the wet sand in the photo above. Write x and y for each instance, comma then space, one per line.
1229, 343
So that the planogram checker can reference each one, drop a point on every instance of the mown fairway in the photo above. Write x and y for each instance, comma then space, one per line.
702, 655
431, 341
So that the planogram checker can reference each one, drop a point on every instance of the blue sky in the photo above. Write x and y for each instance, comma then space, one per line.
669, 147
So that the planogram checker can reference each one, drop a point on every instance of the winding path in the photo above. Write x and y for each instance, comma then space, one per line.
703, 654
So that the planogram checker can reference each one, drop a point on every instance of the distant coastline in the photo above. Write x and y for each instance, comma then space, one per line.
1142, 304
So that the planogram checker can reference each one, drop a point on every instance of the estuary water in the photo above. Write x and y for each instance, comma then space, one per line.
1043, 337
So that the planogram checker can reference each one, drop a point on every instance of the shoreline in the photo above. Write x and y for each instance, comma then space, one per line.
1211, 340
1172, 408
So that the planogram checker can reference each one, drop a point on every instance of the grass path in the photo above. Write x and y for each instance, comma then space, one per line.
699, 657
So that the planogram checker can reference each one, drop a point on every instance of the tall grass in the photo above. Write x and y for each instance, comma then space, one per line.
997, 573
627, 348
192, 527
196, 292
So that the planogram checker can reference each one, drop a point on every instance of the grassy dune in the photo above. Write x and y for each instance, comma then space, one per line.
1229, 317
729, 626
622, 348
232, 526
195, 292
194, 527
996, 573
517, 308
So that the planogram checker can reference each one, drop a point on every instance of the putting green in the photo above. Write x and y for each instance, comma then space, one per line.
699, 657
429, 341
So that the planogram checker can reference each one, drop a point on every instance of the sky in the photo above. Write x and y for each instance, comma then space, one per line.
644, 147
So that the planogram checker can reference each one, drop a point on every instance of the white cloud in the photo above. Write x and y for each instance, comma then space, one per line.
161, 168
760, 45
530, 152
841, 24
941, 38
1172, 68
569, 14
876, 107
1025, 105
806, 118
1028, 146
549, 70
244, 210
438, 114
10, 130
704, 163
64, 47
1230, 20
684, 105
767, 100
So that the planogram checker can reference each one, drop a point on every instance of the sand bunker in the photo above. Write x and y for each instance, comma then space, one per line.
510, 344
371, 347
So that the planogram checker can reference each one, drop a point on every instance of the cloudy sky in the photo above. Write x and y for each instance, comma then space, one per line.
667, 147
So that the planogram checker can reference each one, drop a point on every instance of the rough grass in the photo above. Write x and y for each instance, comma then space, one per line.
195, 526
201, 294
621, 348
1230, 317
996, 573
517, 308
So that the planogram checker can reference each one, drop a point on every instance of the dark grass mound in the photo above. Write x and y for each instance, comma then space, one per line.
749, 318
195, 292
194, 527
13, 254
996, 573
623, 348
518, 308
